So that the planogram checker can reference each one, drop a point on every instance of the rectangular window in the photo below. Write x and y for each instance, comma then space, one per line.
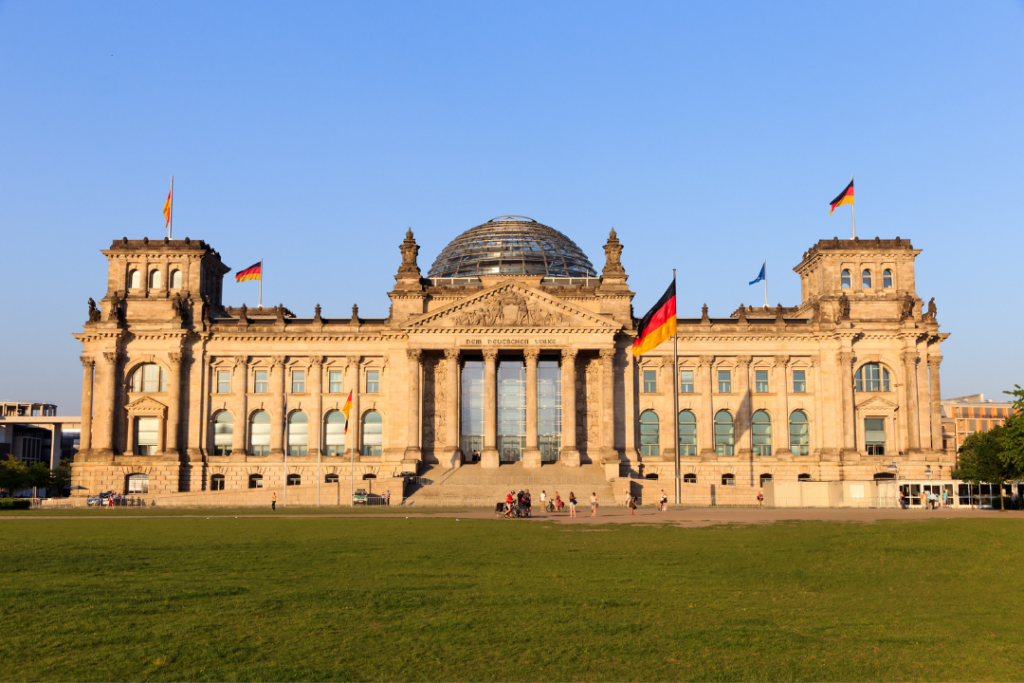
686, 381
799, 381
372, 381
761, 381
223, 381
650, 381
298, 381
334, 381
971, 425
146, 429
260, 386
724, 381
874, 435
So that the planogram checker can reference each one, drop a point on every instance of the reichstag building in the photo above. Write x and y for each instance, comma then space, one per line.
511, 349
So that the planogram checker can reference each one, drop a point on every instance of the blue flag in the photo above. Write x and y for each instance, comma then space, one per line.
760, 276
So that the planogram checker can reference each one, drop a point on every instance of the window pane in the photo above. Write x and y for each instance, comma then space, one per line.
650, 381
261, 382
223, 381
298, 381
334, 381
761, 381
686, 381
724, 381
372, 381
799, 383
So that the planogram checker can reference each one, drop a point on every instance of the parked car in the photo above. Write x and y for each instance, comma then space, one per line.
360, 497
100, 499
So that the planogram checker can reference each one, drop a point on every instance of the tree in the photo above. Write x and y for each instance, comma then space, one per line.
38, 476
61, 477
1011, 434
982, 460
13, 475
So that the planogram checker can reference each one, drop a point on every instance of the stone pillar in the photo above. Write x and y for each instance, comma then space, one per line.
706, 434
354, 436
607, 411
570, 454
935, 395
413, 454
489, 457
817, 440
240, 381
781, 426
174, 403
531, 456
85, 438
743, 437
846, 393
910, 359
924, 404
316, 419
277, 417
451, 407
105, 438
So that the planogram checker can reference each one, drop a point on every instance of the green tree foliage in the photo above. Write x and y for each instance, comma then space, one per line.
1011, 434
61, 478
13, 475
982, 460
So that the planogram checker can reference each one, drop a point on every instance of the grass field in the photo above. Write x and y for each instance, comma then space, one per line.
439, 599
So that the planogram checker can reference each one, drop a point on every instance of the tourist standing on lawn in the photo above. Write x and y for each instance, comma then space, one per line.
760, 500
543, 500
387, 498
593, 504
924, 500
631, 505
273, 501
572, 504
664, 501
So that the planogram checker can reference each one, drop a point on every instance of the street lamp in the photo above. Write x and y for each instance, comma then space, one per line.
928, 473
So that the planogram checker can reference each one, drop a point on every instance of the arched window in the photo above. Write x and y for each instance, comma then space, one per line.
149, 379
881, 476
373, 433
294, 480
154, 279
223, 432
871, 377
255, 481
217, 482
865, 279
259, 433
799, 438
175, 279
804, 477
331, 479
334, 433
728, 480
138, 483
764, 478
762, 428
687, 433
887, 279
689, 478
298, 433
725, 441
844, 279
134, 279
649, 433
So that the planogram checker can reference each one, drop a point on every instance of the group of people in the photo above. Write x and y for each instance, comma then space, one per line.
929, 500
521, 503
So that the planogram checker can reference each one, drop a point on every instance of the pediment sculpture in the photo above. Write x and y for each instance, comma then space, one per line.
508, 309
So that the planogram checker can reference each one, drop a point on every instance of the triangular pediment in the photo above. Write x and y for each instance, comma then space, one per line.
876, 403
146, 406
509, 305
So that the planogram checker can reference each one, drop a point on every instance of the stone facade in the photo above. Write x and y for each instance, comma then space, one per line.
175, 384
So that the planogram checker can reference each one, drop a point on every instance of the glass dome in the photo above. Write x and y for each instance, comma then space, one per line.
512, 245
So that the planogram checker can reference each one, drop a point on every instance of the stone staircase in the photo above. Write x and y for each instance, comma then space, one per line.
474, 486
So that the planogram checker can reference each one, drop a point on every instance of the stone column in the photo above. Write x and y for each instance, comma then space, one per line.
240, 380
846, 393
570, 454
924, 404
105, 437
489, 457
743, 438
531, 456
85, 438
174, 403
607, 412
413, 454
277, 417
706, 435
935, 395
817, 440
910, 359
316, 419
781, 426
451, 407
354, 435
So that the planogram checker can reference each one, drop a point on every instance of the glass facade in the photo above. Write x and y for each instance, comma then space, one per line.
549, 409
471, 428
511, 410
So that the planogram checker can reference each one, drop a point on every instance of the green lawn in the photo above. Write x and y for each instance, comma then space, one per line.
440, 599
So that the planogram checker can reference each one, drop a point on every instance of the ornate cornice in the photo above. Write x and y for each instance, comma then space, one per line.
531, 354
87, 361
490, 354
414, 355
569, 354
111, 357
452, 354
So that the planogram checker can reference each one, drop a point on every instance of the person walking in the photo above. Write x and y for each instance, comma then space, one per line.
273, 501
760, 500
543, 500
664, 501
572, 504
924, 500
631, 505
593, 504
558, 502
387, 498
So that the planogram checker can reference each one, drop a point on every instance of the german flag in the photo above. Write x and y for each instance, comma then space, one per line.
346, 409
845, 197
659, 324
253, 272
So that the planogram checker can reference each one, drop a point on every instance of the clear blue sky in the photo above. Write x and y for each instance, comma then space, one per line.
711, 135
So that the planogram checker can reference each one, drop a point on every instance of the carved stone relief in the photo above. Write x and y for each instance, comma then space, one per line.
507, 309
435, 393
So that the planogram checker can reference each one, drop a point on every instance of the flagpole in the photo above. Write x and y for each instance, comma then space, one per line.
766, 283
675, 397
285, 417
260, 305
853, 213
170, 218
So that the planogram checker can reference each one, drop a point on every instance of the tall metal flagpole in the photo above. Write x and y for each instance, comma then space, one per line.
170, 218
260, 305
853, 212
351, 475
675, 397
285, 501
766, 283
